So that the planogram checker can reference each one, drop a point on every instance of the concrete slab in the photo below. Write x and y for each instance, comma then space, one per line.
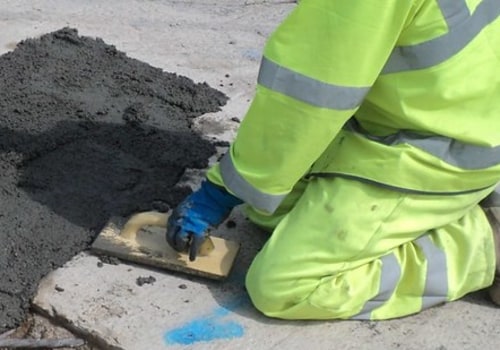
107, 305
219, 42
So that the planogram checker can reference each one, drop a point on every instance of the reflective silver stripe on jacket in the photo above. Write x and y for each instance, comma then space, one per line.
453, 152
438, 50
436, 279
454, 11
309, 90
243, 190
389, 279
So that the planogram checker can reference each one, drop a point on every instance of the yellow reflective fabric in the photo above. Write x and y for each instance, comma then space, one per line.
343, 45
334, 238
455, 98
400, 166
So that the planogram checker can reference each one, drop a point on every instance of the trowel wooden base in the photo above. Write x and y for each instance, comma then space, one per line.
150, 248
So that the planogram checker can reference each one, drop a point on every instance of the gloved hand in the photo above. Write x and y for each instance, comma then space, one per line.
207, 207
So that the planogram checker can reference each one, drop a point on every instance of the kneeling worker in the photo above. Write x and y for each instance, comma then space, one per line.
371, 152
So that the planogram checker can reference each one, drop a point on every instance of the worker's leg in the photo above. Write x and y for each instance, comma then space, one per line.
349, 249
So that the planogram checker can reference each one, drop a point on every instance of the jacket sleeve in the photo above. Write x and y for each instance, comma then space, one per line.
317, 67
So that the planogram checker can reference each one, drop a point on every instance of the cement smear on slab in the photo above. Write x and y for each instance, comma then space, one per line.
85, 133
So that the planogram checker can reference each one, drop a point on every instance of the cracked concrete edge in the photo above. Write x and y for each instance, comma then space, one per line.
46, 310
36, 327
91, 338
7, 334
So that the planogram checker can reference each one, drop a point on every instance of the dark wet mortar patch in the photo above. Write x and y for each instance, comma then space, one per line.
85, 133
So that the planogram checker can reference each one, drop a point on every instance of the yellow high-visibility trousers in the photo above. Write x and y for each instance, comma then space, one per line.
343, 249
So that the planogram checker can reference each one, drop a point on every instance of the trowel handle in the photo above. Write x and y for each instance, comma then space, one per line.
154, 218
140, 220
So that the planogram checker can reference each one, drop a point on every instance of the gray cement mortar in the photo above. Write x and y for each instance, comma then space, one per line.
85, 133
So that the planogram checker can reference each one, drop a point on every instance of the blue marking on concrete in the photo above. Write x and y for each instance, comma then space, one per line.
204, 329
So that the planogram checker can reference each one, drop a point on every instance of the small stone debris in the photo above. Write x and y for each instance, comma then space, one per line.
140, 281
230, 224
221, 143
182, 286
109, 260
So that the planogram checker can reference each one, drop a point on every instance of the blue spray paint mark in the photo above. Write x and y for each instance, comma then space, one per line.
208, 328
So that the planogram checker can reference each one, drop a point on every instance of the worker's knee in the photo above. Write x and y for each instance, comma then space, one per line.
272, 293
284, 291
263, 292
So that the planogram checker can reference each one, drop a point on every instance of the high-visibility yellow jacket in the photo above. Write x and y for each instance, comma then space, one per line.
401, 93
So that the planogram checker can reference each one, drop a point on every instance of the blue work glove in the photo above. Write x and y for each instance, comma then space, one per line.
207, 207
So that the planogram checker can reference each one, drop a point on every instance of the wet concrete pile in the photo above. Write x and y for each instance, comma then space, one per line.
85, 133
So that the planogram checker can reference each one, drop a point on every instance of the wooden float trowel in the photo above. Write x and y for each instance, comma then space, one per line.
141, 239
